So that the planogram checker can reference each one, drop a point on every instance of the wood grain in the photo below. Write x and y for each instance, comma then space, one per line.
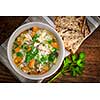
91, 46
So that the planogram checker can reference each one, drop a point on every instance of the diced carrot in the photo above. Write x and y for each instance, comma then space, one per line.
55, 44
31, 63
17, 60
35, 28
19, 42
17, 49
33, 33
46, 68
29, 49
25, 69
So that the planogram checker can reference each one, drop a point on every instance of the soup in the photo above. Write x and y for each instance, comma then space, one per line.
35, 51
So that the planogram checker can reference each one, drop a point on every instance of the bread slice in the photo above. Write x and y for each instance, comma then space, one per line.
69, 22
72, 29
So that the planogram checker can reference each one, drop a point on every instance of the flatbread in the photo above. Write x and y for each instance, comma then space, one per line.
72, 29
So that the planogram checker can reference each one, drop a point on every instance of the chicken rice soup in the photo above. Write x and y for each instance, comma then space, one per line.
35, 51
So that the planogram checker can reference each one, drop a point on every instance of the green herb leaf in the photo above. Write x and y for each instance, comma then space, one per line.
82, 55
19, 54
54, 49
28, 58
73, 64
80, 63
68, 60
77, 69
52, 56
35, 37
73, 73
31, 54
24, 46
44, 59
49, 41
74, 57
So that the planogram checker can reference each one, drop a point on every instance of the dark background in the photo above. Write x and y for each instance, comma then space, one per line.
91, 46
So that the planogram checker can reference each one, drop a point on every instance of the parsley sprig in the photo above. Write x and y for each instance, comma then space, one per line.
73, 64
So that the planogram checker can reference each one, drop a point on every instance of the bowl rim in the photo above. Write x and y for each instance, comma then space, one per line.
21, 72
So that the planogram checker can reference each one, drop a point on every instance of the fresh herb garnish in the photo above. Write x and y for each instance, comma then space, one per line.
28, 58
34, 39
19, 54
54, 49
49, 41
31, 54
51, 57
73, 64
44, 59
24, 46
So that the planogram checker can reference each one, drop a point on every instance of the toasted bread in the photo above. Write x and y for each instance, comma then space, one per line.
72, 29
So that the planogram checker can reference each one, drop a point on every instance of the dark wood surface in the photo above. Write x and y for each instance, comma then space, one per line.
91, 46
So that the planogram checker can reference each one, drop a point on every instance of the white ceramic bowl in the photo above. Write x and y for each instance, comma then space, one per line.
60, 57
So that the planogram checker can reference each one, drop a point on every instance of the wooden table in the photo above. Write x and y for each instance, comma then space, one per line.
91, 47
